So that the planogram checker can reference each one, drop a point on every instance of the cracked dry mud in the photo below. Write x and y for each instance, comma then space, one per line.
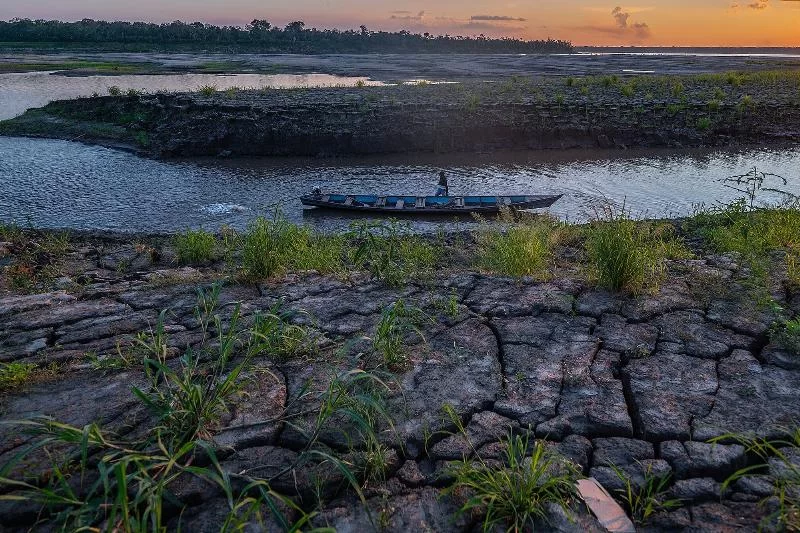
633, 382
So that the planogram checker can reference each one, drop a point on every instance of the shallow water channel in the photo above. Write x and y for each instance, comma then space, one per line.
52, 183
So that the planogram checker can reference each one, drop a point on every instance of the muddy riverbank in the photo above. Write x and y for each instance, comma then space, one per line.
517, 114
627, 387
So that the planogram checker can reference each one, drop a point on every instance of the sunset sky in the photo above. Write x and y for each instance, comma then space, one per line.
584, 22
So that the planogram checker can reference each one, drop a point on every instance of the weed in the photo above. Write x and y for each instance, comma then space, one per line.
518, 492
677, 89
777, 464
734, 79
714, 104
14, 374
585, 91
703, 124
608, 81
397, 321
524, 249
787, 335
274, 335
559, 100
674, 109
627, 90
207, 90
230, 92
643, 502
133, 92
114, 90
719, 94
570, 81
472, 103
745, 102
628, 255
360, 84
390, 253
271, 247
194, 246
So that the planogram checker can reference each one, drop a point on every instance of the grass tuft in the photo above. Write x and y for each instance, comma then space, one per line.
645, 501
523, 249
194, 246
391, 253
14, 374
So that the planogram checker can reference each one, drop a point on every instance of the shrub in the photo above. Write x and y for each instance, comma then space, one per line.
114, 90
624, 254
194, 246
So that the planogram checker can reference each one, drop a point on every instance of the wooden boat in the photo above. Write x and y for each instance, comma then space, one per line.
432, 205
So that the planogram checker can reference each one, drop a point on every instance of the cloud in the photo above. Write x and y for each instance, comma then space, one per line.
759, 4
479, 25
497, 18
406, 16
624, 28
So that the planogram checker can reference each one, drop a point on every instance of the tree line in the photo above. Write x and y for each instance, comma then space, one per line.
262, 36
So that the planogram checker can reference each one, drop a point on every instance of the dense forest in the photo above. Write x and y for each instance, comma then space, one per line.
260, 36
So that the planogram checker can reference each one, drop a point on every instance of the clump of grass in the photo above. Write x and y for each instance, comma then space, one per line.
745, 102
627, 90
360, 84
703, 124
14, 374
207, 90
570, 81
271, 247
523, 249
733, 78
274, 334
472, 102
776, 463
787, 335
194, 246
36, 258
714, 104
645, 501
719, 94
390, 252
397, 321
608, 81
515, 494
585, 90
629, 255
114, 90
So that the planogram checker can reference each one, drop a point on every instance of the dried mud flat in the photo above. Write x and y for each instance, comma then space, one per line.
639, 383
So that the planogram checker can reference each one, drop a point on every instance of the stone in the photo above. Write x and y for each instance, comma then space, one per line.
508, 297
752, 398
484, 427
616, 451
577, 449
776, 355
596, 303
634, 340
410, 474
673, 295
697, 337
668, 392
63, 312
715, 516
14, 305
700, 459
742, 317
696, 490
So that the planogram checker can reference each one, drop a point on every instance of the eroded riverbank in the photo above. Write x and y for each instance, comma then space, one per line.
607, 379
516, 114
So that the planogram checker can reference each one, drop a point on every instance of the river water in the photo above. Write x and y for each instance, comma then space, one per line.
62, 184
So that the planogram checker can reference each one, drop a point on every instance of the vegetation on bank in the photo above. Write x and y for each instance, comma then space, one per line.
261, 36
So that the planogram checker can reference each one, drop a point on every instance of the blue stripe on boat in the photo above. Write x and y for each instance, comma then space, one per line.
337, 197
436, 200
365, 198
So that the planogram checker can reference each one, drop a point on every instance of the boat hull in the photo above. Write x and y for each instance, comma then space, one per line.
428, 205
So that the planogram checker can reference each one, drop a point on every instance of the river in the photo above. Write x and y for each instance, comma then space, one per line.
62, 184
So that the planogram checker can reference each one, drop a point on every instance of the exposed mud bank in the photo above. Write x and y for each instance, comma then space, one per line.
517, 114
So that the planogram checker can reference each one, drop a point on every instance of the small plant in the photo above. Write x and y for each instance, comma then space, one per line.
733, 78
360, 84
14, 374
114, 90
513, 495
207, 90
230, 92
677, 89
643, 502
627, 255
472, 103
397, 321
608, 81
141, 138
787, 335
524, 249
272, 334
390, 253
627, 90
703, 124
714, 104
777, 465
559, 99
585, 90
746, 102
570, 81
194, 246
719, 94
133, 92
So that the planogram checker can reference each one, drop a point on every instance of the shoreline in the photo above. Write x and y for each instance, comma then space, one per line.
517, 114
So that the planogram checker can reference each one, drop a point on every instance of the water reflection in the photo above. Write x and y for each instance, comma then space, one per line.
50, 183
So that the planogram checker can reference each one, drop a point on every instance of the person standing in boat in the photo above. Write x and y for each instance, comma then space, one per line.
442, 189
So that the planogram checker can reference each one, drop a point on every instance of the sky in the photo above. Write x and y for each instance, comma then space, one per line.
584, 22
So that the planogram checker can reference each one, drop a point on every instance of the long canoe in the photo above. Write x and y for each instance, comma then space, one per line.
434, 205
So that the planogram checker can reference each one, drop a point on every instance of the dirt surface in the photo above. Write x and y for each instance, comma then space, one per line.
611, 381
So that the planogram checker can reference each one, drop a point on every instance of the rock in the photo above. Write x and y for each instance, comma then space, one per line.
14, 305
461, 369
543, 329
697, 337
672, 295
636, 473
740, 317
751, 399
715, 516
410, 474
506, 297
210, 517
64, 312
772, 354
669, 391
634, 340
95, 328
596, 303
255, 412
620, 452
484, 427
699, 459
577, 449
696, 490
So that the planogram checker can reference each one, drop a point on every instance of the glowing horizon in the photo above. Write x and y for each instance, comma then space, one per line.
730, 23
